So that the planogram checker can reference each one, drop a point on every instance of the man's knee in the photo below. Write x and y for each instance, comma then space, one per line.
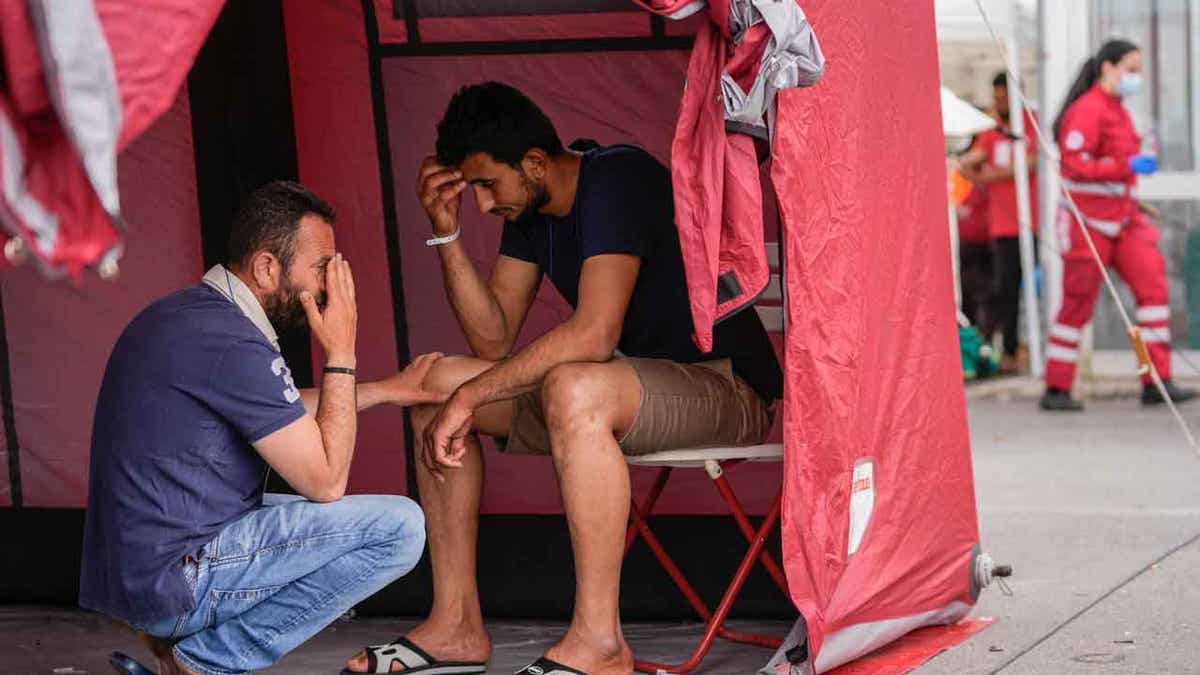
446, 375
573, 397
401, 530
449, 372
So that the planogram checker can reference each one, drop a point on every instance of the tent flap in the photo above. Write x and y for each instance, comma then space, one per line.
872, 365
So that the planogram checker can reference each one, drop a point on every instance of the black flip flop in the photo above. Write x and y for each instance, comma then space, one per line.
416, 661
127, 665
544, 666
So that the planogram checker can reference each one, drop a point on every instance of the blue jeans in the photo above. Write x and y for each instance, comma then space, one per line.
277, 576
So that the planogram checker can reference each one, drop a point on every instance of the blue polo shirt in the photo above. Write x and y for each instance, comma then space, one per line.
191, 383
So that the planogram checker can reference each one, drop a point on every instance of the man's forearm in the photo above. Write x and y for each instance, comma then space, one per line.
479, 314
565, 343
367, 395
337, 418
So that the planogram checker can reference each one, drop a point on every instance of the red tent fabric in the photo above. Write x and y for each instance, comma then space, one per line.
879, 514
81, 81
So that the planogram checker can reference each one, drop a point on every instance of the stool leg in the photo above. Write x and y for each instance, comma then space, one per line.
668, 564
739, 515
660, 482
718, 618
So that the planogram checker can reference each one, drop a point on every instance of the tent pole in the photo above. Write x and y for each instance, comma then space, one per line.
391, 228
1024, 217
12, 441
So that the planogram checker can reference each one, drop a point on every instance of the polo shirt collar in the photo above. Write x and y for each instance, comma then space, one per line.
236, 291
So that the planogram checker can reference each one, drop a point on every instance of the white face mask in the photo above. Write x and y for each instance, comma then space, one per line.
1129, 84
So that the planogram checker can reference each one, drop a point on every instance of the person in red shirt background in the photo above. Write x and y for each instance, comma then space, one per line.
974, 253
990, 162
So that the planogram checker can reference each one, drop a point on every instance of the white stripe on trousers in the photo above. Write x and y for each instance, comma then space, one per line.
1060, 353
1109, 228
1150, 335
1152, 313
1065, 332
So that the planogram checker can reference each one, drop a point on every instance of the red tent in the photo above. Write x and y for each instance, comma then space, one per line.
879, 525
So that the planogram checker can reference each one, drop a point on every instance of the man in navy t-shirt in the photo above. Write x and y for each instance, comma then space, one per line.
196, 405
620, 376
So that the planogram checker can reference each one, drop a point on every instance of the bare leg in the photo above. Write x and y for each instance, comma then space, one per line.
588, 407
454, 630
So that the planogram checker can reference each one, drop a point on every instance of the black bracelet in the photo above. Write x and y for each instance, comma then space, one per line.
334, 369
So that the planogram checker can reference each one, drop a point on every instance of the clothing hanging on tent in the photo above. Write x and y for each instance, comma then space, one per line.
81, 81
744, 54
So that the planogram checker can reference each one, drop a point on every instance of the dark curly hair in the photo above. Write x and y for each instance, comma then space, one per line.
497, 119
269, 218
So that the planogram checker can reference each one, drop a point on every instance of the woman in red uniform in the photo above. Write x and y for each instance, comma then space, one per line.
1101, 160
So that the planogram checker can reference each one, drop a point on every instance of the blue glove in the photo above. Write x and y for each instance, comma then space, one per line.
1143, 164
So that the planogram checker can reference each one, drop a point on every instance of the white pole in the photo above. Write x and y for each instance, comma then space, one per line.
1065, 30
1053, 79
1016, 119
1194, 46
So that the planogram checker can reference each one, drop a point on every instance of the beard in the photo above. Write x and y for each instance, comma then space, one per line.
536, 196
283, 308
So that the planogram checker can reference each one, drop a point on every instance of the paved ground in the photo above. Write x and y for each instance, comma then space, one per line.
1099, 513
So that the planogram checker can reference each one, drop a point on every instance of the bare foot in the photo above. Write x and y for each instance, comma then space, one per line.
592, 655
458, 643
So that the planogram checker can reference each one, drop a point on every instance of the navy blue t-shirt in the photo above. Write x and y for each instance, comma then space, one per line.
190, 384
623, 204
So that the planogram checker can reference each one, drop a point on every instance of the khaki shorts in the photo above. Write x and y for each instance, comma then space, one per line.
700, 405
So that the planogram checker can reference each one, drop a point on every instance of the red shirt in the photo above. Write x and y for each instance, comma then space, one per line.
1002, 195
973, 217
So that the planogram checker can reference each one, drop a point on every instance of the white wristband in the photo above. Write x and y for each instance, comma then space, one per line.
438, 241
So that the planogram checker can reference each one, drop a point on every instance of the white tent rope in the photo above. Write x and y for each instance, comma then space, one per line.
1146, 364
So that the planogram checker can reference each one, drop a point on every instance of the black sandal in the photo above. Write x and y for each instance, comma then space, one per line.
127, 665
544, 666
381, 658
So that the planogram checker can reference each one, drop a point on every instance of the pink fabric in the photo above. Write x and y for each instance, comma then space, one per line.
872, 357
914, 650
43, 165
151, 50
153, 47
718, 198
60, 335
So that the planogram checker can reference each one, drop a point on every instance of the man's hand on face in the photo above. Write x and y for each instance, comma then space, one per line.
337, 326
440, 190
446, 436
406, 387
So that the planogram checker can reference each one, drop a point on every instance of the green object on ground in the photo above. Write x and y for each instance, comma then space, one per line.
978, 359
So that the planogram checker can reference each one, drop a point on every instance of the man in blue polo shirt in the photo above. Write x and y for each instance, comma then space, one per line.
196, 406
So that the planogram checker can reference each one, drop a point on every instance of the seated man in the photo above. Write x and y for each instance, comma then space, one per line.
601, 225
180, 542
